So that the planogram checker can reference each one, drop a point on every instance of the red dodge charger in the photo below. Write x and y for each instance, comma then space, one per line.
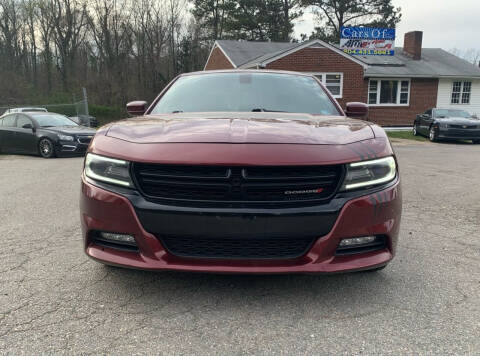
242, 172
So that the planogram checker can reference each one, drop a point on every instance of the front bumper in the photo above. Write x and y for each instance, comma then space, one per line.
69, 148
459, 134
377, 213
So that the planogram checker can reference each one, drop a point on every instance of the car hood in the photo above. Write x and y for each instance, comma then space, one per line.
71, 130
459, 121
264, 127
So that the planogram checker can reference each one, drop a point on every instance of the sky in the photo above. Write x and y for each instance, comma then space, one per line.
445, 24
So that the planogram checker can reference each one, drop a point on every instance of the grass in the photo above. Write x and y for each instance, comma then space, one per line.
406, 135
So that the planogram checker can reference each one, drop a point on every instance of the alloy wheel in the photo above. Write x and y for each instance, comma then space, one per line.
46, 148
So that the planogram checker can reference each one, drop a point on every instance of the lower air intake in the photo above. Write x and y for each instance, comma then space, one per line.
242, 248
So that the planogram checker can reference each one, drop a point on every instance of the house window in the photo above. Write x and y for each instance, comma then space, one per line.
388, 92
461, 92
333, 82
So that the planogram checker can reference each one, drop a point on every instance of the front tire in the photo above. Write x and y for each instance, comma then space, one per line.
433, 134
476, 141
46, 148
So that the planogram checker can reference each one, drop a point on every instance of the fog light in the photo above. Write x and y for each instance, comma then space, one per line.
357, 241
118, 238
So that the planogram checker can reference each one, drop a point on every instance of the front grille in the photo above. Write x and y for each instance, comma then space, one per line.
463, 127
177, 184
250, 248
84, 139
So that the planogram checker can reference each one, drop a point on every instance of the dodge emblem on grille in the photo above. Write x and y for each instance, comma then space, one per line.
305, 191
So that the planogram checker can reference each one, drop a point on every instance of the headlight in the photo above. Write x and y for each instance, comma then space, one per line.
65, 137
369, 173
108, 170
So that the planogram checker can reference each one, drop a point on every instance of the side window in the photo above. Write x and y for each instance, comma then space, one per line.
23, 120
9, 121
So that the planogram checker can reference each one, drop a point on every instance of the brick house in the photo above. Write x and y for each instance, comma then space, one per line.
396, 88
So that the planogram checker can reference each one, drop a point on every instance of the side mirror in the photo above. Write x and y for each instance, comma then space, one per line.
137, 108
355, 109
27, 126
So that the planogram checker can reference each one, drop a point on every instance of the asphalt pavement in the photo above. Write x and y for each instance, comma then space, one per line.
55, 300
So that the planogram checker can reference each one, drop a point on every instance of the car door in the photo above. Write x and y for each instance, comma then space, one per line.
425, 120
7, 134
26, 139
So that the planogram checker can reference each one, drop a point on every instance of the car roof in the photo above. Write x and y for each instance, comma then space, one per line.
38, 113
32, 113
26, 108
269, 71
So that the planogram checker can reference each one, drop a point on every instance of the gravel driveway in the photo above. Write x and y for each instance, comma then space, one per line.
54, 300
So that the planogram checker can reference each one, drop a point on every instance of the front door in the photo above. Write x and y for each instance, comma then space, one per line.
7, 134
25, 137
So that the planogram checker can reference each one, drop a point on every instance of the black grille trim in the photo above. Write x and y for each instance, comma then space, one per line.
84, 139
237, 248
234, 186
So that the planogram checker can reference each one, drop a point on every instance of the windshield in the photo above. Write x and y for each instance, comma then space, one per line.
452, 113
243, 92
50, 120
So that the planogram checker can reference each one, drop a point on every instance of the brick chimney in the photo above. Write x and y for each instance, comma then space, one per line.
412, 44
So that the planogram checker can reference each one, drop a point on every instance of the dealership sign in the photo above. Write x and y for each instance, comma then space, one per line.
368, 41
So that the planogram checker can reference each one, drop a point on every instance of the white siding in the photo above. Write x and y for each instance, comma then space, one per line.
445, 94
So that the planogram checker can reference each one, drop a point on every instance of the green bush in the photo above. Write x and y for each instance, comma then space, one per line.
106, 114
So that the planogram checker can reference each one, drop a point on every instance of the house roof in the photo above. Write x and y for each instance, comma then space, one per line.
435, 62
240, 52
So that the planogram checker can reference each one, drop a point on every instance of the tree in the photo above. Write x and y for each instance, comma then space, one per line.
263, 20
118, 49
212, 15
334, 14
255, 20
69, 22
472, 55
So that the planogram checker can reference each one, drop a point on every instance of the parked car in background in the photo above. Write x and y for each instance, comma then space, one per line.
236, 171
25, 109
85, 120
43, 133
451, 124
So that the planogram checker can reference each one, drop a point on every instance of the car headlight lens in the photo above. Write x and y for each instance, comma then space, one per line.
370, 173
109, 170
65, 137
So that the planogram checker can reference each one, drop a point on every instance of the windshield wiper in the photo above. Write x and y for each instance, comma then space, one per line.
46, 126
265, 110
177, 111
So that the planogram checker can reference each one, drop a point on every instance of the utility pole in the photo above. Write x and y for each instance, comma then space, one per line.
85, 100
